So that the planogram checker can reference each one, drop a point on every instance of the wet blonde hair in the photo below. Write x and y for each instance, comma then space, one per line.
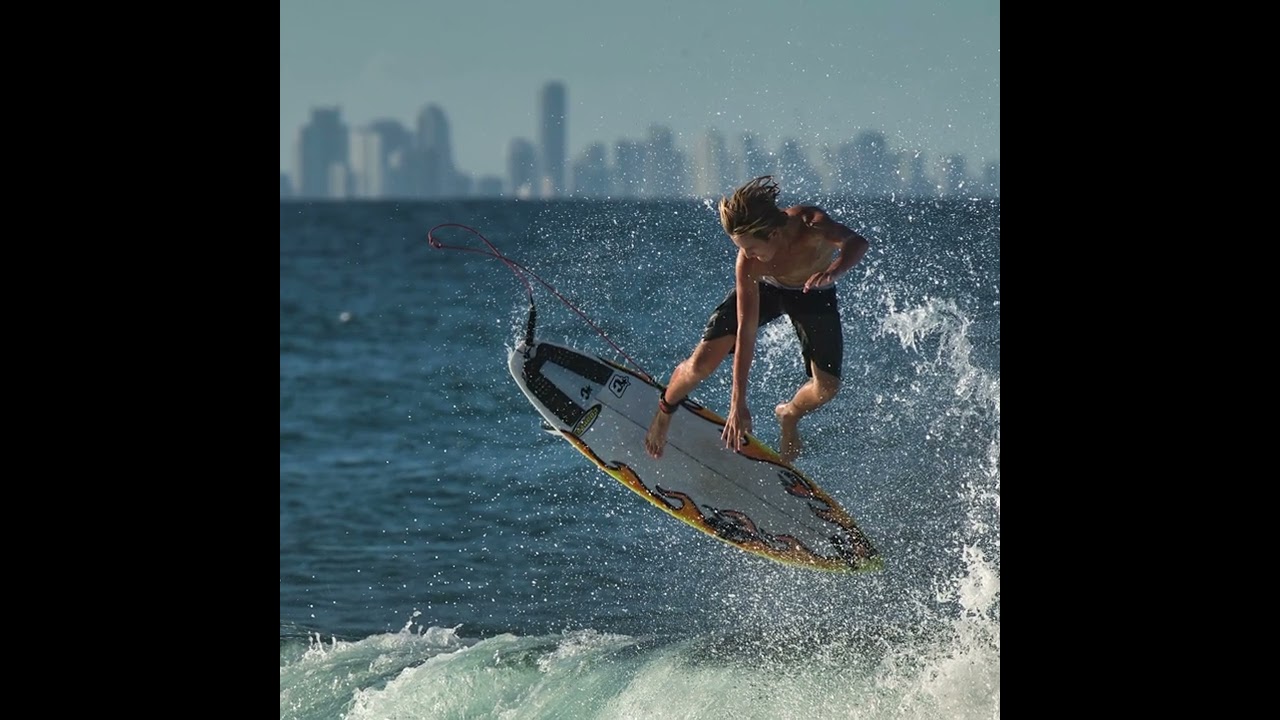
753, 209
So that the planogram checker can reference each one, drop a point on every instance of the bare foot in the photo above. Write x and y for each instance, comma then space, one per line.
656, 438
790, 444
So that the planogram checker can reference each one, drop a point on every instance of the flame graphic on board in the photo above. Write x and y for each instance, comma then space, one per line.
736, 528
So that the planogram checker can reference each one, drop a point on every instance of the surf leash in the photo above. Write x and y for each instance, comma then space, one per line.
521, 271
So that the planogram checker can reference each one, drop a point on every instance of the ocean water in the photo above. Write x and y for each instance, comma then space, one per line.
442, 557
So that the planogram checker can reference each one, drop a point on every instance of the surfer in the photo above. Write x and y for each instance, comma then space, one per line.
787, 263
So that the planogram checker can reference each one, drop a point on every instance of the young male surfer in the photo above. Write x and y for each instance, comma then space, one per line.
787, 263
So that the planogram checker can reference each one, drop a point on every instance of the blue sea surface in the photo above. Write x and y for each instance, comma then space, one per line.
443, 557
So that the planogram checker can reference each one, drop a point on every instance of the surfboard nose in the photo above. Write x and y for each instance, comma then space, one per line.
520, 354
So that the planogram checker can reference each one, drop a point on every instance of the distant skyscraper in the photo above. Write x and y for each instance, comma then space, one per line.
368, 171
873, 174
396, 144
552, 136
286, 187
522, 168
846, 180
339, 182
919, 184
867, 167
489, 186
955, 176
714, 174
401, 165
322, 147
665, 171
434, 173
796, 174
755, 159
991, 179
591, 172
628, 172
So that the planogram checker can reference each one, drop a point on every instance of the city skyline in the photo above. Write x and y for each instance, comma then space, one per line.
385, 159
924, 72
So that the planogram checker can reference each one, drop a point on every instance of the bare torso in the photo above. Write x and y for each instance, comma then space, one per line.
805, 250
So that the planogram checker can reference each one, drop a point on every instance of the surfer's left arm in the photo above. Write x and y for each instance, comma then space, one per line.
738, 422
852, 247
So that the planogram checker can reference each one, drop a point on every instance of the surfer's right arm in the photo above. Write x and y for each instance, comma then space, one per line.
738, 423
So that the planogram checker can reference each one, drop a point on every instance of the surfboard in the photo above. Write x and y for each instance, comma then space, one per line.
748, 498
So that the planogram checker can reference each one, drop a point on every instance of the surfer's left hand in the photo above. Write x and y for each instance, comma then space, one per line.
819, 280
736, 427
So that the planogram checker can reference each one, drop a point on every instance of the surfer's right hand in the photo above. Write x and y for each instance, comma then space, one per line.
736, 427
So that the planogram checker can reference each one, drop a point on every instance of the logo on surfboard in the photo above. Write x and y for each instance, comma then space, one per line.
588, 418
618, 384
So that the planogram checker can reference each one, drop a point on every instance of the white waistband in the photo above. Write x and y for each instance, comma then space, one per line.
771, 280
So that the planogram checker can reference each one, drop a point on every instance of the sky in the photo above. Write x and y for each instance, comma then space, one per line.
924, 72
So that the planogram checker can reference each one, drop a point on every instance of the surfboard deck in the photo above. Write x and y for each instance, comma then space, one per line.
748, 498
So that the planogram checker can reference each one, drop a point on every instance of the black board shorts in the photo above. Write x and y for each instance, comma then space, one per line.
814, 315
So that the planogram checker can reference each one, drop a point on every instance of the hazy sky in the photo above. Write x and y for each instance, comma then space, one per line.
926, 72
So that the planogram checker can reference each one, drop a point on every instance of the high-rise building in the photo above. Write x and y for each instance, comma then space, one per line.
395, 145
796, 174
991, 178
591, 172
368, 171
552, 135
865, 167
339, 187
628, 171
489, 186
320, 153
873, 172
756, 159
955, 176
665, 171
433, 171
714, 172
522, 168
919, 184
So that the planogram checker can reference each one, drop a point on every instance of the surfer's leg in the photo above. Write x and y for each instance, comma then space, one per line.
718, 340
815, 393
817, 324
706, 357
